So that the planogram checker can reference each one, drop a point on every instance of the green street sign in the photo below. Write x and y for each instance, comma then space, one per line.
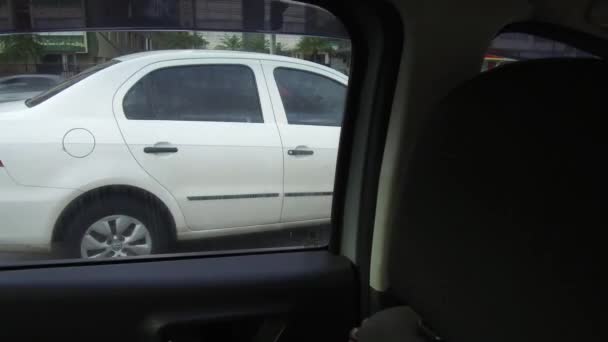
63, 43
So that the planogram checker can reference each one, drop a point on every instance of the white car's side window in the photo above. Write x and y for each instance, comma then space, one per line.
309, 98
195, 93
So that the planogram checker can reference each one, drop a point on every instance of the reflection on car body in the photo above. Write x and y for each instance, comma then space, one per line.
165, 145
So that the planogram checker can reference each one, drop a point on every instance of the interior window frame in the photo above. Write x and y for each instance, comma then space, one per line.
367, 71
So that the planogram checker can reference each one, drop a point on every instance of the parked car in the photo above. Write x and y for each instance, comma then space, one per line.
21, 87
196, 136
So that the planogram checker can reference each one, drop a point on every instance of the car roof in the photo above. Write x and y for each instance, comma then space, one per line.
162, 55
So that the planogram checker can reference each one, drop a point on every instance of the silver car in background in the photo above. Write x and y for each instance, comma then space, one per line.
23, 87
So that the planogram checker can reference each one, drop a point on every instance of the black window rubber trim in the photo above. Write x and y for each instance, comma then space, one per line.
261, 195
227, 197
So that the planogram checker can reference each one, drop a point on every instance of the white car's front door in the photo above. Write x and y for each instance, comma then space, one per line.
309, 110
204, 129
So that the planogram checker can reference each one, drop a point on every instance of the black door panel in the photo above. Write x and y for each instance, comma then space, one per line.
305, 295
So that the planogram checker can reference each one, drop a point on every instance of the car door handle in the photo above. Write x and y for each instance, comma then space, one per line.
300, 152
160, 149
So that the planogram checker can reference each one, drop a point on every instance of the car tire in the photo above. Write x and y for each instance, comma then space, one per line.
112, 223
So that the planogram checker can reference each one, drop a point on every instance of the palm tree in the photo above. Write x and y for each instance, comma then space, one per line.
230, 42
279, 49
255, 42
178, 40
311, 46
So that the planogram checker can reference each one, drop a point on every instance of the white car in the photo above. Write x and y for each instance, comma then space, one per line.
131, 155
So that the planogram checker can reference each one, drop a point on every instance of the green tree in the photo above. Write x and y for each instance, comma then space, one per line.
341, 44
177, 40
231, 42
311, 46
256, 42
24, 48
279, 49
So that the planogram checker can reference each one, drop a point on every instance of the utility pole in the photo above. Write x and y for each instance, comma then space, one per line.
147, 41
277, 10
273, 43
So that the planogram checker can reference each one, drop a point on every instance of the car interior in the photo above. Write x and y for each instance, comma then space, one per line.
467, 205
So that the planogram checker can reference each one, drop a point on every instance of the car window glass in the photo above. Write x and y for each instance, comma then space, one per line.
161, 131
515, 46
309, 98
39, 82
32, 84
13, 81
136, 105
196, 93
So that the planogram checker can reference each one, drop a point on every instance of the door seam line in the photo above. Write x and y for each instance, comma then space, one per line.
276, 124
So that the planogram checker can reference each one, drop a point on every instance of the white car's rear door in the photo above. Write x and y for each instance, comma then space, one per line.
309, 108
204, 129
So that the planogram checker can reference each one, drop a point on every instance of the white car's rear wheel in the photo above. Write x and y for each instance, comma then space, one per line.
116, 236
116, 226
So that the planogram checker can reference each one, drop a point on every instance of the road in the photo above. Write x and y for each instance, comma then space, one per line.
308, 236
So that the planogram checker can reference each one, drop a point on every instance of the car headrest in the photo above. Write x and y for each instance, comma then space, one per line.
498, 236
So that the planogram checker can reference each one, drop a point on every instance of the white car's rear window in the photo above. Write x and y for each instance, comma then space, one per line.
67, 83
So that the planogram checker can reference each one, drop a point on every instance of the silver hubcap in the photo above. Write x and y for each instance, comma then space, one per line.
116, 236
